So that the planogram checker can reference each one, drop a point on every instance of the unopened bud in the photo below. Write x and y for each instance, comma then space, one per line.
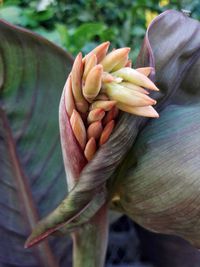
135, 87
69, 99
94, 130
105, 105
95, 115
76, 74
121, 64
106, 132
111, 115
90, 149
93, 83
147, 111
127, 96
90, 62
135, 77
114, 58
100, 51
78, 128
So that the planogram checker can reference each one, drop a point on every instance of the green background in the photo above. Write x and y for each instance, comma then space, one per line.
81, 25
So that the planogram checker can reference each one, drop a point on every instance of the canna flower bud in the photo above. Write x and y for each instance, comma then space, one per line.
106, 132
69, 99
127, 96
111, 115
78, 128
115, 58
90, 62
135, 87
93, 83
100, 51
146, 111
135, 77
105, 105
94, 130
95, 115
122, 63
77, 72
90, 149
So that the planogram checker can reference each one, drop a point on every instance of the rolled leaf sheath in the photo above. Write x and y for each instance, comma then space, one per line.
83, 207
89, 241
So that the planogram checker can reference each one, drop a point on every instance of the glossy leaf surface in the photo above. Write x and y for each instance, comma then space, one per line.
32, 178
161, 187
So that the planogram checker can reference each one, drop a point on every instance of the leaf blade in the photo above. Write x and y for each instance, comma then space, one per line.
25, 90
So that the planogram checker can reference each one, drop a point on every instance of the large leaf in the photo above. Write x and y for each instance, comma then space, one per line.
32, 179
160, 189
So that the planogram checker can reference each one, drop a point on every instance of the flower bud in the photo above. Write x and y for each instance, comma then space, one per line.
69, 99
78, 128
114, 58
90, 62
147, 111
100, 51
94, 130
122, 63
93, 83
135, 77
106, 105
106, 132
127, 96
135, 87
95, 115
77, 72
90, 149
111, 115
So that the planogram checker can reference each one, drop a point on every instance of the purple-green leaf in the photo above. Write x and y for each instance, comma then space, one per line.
32, 178
161, 188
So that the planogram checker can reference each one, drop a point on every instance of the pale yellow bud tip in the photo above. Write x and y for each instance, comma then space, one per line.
93, 83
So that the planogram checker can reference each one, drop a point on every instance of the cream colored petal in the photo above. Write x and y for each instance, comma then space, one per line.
135, 77
147, 111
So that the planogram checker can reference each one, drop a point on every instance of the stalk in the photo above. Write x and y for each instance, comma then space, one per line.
90, 241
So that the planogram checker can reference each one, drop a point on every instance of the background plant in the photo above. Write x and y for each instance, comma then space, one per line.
81, 25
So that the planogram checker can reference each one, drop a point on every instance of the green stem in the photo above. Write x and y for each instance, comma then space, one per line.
90, 241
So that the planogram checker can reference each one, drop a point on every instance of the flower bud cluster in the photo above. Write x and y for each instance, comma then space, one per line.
99, 85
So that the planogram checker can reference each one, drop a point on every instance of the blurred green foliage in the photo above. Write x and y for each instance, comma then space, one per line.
81, 25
